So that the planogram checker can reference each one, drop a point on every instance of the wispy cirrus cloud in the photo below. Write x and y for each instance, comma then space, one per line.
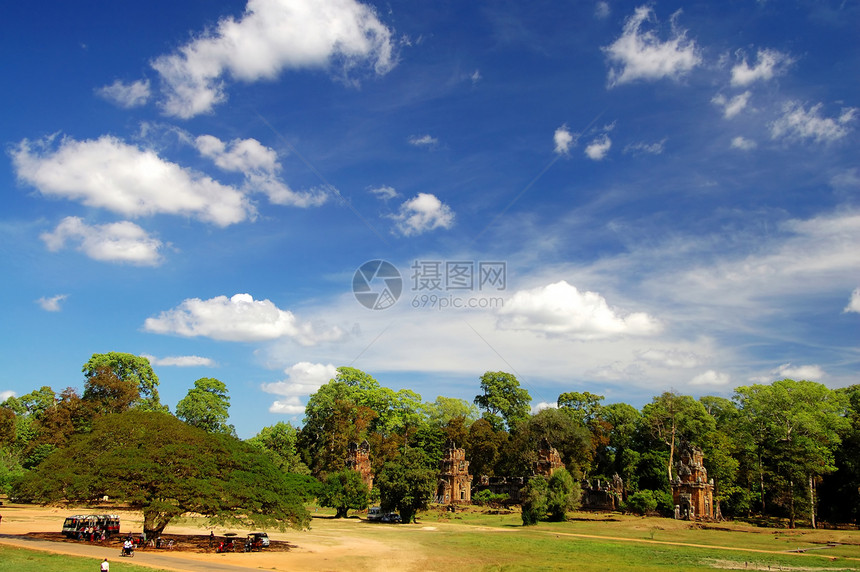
52, 304
126, 95
799, 123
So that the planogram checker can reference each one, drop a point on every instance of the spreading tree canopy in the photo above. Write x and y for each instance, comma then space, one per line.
164, 467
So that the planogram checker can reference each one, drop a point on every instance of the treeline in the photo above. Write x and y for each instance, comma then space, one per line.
788, 450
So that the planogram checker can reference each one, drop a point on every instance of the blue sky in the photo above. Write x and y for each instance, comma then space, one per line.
623, 198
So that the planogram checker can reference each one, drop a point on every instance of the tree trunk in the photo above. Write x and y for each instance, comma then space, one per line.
812, 500
341, 512
761, 480
790, 503
154, 522
671, 451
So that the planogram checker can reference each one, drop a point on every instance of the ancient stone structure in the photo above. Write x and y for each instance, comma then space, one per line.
692, 492
455, 482
358, 459
548, 461
510, 486
602, 494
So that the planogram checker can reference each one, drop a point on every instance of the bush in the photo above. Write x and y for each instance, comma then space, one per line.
642, 502
488, 498
665, 503
534, 496
563, 495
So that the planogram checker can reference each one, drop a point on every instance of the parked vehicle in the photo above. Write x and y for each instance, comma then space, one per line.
75, 526
391, 518
374, 513
256, 541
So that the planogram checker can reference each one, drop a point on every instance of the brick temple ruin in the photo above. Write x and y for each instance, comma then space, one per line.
455, 482
358, 459
548, 462
692, 492
602, 494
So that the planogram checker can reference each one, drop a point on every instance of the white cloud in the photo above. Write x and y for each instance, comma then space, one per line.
537, 408
798, 123
260, 166
108, 173
237, 319
423, 141
423, 213
52, 304
115, 242
272, 36
181, 361
4, 395
384, 193
641, 55
670, 358
601, 10
563, 139
733, 106
769, 63
303, 379
854, 303
598, 148
743, 143
126, 95
711, 378
655, 148
476, 77
560, 308
788, 371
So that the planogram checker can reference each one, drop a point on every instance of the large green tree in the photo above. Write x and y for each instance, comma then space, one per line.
207, 406
344, 490
406, 484
130, 368
280, 443
798, 424
164, 467
505, 403
672, 418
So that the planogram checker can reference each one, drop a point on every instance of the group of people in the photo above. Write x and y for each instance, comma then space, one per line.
92, 534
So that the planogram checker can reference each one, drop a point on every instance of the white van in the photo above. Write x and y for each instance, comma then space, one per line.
374, 513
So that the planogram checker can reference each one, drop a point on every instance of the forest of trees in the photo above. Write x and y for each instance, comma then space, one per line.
787, 451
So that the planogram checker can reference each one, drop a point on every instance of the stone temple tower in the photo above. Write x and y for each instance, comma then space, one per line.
455, 482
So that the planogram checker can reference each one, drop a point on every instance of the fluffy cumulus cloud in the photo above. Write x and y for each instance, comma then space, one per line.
598, 149
562, 309
640, 54
423, 213
126, 95
799, 123
239, 318
110, 174
711, 378
260, 166
52, 304
115, 242
303, 379
4, 395
769, 63
733, 106
854, 303
563, 140
180, 361
272, 36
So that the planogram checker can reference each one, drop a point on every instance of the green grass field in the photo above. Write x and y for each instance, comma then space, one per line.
19, 559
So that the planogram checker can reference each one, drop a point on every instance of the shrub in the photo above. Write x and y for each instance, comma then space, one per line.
642, 502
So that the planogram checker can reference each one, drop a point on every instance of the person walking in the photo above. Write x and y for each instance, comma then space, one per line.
105, 566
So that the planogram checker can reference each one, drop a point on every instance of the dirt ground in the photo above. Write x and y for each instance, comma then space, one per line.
291, 550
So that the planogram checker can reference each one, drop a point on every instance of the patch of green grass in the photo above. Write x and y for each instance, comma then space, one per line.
17, 559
